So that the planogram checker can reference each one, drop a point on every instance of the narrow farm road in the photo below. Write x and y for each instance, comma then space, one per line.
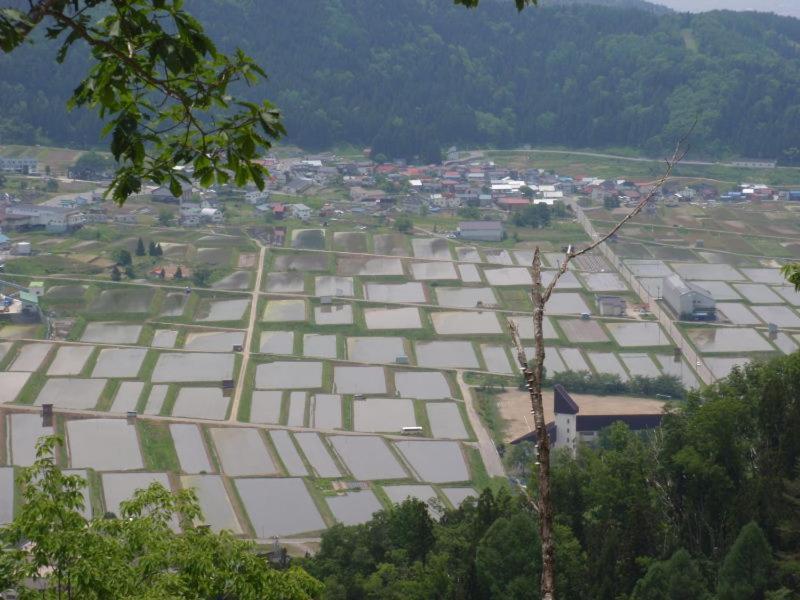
248, 336
486, 446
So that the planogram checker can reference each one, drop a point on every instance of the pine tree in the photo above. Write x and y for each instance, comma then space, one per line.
151, 249
744, 574
116, 275
178, 273
140, 248
159, 250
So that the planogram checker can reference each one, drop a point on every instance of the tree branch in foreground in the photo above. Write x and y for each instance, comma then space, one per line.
533, 374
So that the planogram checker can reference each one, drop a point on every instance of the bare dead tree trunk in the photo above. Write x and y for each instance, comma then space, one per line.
533, 373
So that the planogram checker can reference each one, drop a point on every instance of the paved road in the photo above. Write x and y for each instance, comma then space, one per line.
486, 446
248, 336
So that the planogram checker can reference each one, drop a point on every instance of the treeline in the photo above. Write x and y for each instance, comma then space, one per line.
707, 508
410, 78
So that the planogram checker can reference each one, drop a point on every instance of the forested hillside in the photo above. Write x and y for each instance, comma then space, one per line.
408, 78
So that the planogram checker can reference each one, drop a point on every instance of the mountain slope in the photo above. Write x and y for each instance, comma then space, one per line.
409, 77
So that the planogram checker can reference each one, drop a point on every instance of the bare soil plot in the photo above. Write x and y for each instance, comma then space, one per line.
393, 244
590, 263
350, 241
306, 261
247, 260
507, 276
242, 452
164, 338
737, 313
581, 331
711, 272
446, 355
679, 369
297, 409
222, 310
123, 300
367, 457
604, 282
279, 507
289, 375
648, 268
155, 399
175, 367
30, 357
400, 493
292, 282
354, 508
66, 292
119, 362
768, 276
375, 349
317, 455
71, 393
427, 271
435, 462
201, 403
498, 257
6, 495
525, 326
394, 292
468, 254
70, 360
446, 421
308, 239
465, 297
789, 294
640, 365
359, 380
465, 323
333, 285
607, 362
719, 339
333, 314
758, 293
567, 303
326, 411
573, 360
190, 448
319, 346
719, 290
277, 342
174, 251
265, 407
127, 396
630, 335
496, 359
431, 248
24, 430
722, 367
11, 385
280, 311
370, 267
217, 509
217, 257
785, 343
103, 445
214, 341
288, 453
392, 318
469, 274
457, 495
781, 315
174, 304
422, 385
119, 487
383, 415
238, 280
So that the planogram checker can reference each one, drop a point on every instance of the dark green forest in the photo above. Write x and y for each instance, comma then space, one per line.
409, 78
705, 508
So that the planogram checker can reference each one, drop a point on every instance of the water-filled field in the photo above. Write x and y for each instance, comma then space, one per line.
359, 380
65, 392
289, 375
279, 507
173, 367
435, 462
103, 445
119, 362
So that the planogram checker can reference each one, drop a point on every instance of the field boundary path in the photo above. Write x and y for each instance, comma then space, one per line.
248, 335
695, 361
486, 446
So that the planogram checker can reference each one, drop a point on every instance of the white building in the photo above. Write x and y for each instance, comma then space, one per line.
300, 211
688, 300
19, 164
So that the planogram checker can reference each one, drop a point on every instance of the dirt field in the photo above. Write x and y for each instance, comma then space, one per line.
515, 408
247, 260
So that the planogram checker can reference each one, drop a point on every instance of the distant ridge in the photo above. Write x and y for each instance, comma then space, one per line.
637, 4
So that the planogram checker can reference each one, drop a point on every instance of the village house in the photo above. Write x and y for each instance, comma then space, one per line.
19, 164
53, 219
300, 211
